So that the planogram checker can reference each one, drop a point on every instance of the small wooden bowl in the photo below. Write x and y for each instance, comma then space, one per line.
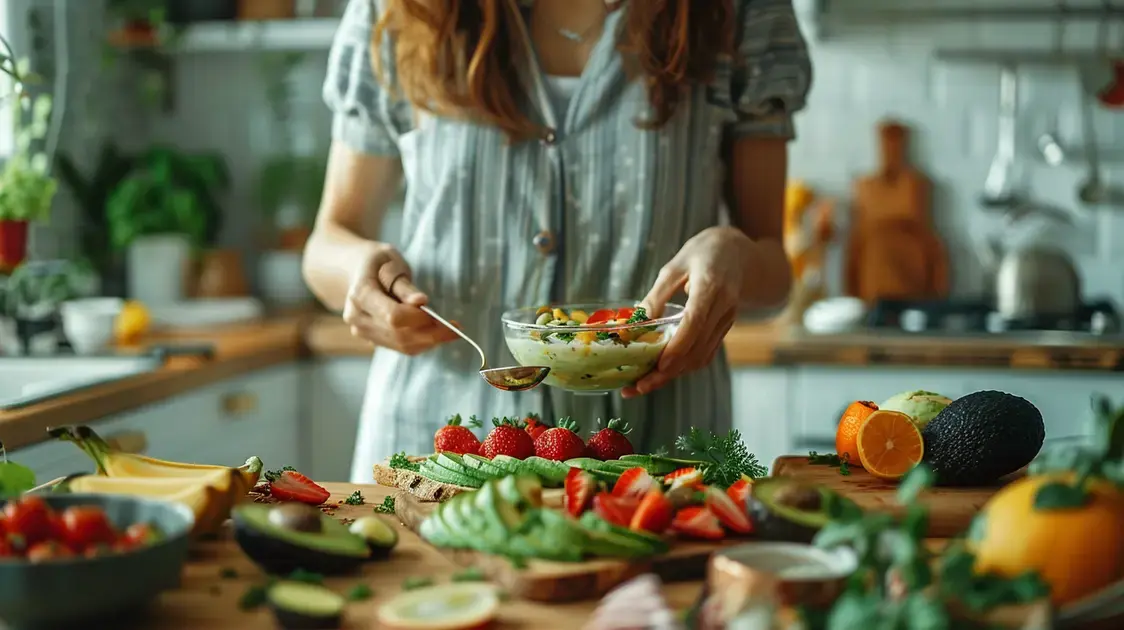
787, 574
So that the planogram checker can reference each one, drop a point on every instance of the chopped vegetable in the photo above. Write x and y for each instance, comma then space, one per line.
355, 498
401, 461
274, 475
386, 507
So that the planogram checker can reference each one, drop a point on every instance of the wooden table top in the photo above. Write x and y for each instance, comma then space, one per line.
208, 598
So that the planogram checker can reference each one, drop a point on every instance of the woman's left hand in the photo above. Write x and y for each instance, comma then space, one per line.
711, 268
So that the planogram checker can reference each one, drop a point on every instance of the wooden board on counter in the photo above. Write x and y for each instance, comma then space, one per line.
567, 581
951, 510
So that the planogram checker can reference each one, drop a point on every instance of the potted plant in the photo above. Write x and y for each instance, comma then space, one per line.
160, 213
33, 294
26, 185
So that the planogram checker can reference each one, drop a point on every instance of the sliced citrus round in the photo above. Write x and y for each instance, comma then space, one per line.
847, 435
889, 445
444, 607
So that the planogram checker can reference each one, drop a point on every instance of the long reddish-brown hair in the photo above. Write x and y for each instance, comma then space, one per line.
458, 57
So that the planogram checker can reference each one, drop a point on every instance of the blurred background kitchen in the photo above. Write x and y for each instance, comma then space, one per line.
955, 218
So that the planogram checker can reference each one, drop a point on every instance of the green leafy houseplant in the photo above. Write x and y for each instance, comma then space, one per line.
168, 192
26, 185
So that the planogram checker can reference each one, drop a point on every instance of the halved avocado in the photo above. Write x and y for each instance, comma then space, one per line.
380, 535
783, 509
290, 536
303, 606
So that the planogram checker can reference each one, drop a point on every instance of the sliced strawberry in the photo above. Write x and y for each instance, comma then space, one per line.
634, 482
739, 492
728, 512
689, 477
616, 510
654, 514
600, 316
293, 486
579, 488
624, 314
697, 522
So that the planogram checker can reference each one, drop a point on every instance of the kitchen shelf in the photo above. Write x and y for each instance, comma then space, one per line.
216, 37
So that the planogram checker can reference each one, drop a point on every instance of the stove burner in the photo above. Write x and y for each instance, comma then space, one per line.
1097, 316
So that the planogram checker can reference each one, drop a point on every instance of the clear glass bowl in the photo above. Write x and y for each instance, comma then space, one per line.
590, 358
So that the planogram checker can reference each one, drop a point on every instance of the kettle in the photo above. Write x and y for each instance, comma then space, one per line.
1034, 281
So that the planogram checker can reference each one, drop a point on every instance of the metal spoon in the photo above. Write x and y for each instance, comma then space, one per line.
510, 379
1091, 191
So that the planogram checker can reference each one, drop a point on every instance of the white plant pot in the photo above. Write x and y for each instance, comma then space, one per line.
89, 324
157, 268
9, 341
280, 279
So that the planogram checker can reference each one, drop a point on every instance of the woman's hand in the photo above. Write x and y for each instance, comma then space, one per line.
382, 306
710, 267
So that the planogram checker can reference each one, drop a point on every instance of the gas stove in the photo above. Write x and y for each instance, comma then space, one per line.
953, 316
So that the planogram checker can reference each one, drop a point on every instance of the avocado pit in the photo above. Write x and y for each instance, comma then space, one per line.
297, 517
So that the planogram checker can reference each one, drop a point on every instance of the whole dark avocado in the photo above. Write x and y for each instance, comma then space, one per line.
982, 437
290, 536
785, 510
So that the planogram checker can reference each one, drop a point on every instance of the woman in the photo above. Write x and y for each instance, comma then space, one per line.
553, 151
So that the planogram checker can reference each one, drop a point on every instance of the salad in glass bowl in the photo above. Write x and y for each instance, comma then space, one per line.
590, 348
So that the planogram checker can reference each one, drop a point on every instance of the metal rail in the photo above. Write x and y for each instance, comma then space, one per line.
1061, 11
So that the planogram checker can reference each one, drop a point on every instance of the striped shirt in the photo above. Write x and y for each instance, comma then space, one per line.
619, 200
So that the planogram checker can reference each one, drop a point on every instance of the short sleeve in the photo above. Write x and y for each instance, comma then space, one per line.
772, 72
361, 108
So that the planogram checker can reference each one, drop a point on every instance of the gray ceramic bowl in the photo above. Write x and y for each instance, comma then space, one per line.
86, 592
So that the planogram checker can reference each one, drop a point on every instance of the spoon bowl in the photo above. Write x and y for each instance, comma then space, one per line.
510, 379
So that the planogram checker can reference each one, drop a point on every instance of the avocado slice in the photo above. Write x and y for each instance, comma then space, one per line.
380, 536
483, 466
783, 509
449, 528
595, 524
290, 536
453, 463
551, 472
303, 606
522, 491
498, 517
659, 464
595, 467
549, 535
510, 464
431, 470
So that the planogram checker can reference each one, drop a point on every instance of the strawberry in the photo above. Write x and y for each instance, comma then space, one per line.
689, 477
616, 510
727, 511
610, 442
579, 490
739, 492
455, 438
634, 482
508, 438
561, 442
697, 522
654, 514
535, 425
290, 485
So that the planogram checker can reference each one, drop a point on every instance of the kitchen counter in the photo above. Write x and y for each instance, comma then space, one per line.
245, 348
206, 599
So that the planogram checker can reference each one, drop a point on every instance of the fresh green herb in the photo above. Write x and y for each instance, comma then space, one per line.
727, 457
308, 577
386, 507
471, 574
254, 597
1103, 460
474, 422
355, 498
639, 314
274, 475
401, 461
359, 592
15, 479
830, 459
416, 582
228, 573
979, 593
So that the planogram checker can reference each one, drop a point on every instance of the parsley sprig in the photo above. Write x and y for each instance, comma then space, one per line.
401, 461
355, 498
831, 459
726, 456
274, 475
386, 507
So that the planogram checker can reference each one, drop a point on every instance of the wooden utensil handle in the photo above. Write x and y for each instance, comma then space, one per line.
893, 140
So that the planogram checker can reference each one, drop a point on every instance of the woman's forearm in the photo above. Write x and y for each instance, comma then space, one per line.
332, 257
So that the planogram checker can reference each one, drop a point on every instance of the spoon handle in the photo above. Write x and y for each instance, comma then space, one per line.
450, 326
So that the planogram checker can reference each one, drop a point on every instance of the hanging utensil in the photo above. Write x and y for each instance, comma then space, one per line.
1092, 190
999, 185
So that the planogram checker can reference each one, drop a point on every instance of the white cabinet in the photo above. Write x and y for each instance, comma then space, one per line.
225, 423
763, 410
335, 392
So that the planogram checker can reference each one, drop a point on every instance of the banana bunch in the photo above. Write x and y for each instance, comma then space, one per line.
208, 491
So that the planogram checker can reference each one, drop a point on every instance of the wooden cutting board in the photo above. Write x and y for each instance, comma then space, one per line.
568, 581
893, 251
950, 509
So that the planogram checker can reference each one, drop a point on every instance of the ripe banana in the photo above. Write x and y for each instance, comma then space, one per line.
208, 497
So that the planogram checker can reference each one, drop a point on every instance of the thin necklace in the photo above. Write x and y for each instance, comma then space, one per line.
579, 37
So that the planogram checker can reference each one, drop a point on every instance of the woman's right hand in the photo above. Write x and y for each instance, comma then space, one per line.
382, 306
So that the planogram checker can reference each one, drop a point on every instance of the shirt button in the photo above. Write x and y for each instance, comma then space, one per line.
550, 138
544, 242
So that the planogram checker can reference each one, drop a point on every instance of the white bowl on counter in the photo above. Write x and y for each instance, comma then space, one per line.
89, 323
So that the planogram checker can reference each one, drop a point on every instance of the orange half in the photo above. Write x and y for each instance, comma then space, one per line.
889, 445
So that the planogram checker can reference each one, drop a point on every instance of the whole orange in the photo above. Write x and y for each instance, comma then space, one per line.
847, 435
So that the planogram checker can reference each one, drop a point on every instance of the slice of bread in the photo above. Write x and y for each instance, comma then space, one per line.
423, 488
